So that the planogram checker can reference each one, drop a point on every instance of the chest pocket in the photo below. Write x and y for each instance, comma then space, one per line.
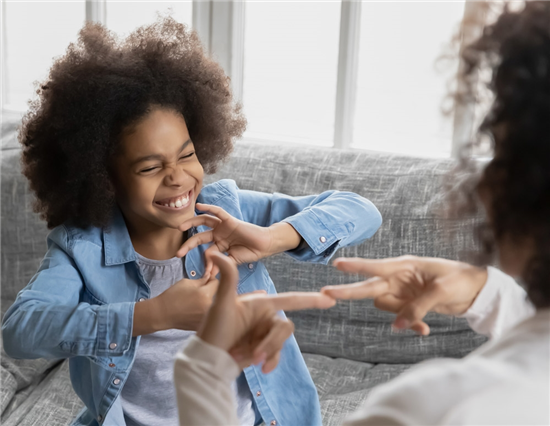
250, 278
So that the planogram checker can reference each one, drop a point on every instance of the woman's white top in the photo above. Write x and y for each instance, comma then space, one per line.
504, 382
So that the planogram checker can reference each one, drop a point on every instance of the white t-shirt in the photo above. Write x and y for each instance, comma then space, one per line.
148, 397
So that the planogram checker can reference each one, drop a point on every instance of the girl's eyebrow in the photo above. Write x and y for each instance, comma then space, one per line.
158, 156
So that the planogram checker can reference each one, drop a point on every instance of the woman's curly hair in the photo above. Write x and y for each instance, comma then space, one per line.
516, 49
101, 86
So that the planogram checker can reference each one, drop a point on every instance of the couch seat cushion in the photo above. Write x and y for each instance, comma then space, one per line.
344, 384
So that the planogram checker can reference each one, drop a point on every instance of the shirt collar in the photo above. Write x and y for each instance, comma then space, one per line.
116, 241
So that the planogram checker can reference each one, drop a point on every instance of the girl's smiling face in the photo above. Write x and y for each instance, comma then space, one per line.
157, 174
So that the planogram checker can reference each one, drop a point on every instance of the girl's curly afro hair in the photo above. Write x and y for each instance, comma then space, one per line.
101, 86
516, 49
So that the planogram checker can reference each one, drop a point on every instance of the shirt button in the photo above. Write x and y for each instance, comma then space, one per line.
323, 239
193, 273
100, 418
273, 422
250, 266
116, 381
258, 393
113, 346
111, 365
141, 299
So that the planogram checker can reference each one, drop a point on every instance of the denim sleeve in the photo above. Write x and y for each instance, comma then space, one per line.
326, 221
48, 320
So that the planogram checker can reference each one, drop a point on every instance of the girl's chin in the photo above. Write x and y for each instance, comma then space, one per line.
176, 220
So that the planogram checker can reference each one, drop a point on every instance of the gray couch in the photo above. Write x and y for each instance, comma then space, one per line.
349, 349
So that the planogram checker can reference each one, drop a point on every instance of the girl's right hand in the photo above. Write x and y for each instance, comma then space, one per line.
412, 286
182, 306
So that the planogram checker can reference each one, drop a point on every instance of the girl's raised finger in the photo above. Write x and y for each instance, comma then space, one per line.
203, 219
195, 241
215, 210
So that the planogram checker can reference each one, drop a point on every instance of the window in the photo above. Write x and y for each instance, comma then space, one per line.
290, 71
125, 16
400, 88
344, 74
34, 33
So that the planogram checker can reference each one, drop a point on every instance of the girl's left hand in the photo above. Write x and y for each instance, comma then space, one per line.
242, 241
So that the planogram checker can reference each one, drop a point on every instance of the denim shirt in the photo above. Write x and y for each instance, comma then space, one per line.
80, 304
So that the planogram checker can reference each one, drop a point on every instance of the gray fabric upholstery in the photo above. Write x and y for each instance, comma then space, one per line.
343, 384
357, 336
51, 402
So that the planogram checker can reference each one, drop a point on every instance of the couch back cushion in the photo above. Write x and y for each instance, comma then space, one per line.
23, 234
402, 188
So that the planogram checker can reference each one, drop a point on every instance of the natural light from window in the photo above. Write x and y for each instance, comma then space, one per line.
125, 16
290, 70
35, 33
29, 54
400, 89
290, 65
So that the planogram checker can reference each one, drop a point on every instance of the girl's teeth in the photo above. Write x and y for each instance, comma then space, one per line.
180, 202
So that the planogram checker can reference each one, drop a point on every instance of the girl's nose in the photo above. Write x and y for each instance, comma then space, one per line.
176, 176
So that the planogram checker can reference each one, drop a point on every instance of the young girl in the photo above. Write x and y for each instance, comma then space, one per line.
115, 149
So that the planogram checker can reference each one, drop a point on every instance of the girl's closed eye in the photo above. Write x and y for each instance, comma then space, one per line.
149, 169
184, 157
187, 155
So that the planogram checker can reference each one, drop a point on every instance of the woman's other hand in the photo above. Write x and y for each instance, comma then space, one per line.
243, 242
248, 326
412, 286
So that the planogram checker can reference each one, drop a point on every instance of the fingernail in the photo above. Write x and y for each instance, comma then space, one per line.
396, 330
260, 358
401, 324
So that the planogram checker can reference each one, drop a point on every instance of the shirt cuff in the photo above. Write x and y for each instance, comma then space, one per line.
485, 300
217, 361
115, 322
322, 240
500, 305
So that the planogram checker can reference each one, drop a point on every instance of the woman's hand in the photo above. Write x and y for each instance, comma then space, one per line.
242, 241
412, 286
248, 326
